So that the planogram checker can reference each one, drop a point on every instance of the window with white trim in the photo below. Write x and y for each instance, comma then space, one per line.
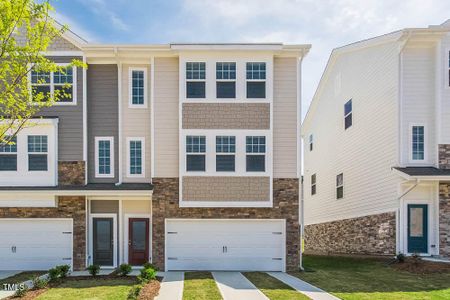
225, 153
340, 186
448, 68
311, 142
136, 157
418, 142
256, 79
225, 80
37, 152
59, 84
313, 184
104, 157
8, 155
348, 111
195, 79
256, 153
138, 87
196, 153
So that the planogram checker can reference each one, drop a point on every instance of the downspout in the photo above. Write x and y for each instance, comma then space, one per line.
399, 220
302, 223
85, 129
299, 158
119, 97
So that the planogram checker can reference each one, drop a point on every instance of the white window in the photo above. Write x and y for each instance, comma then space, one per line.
256, 153
61, 84
136, 157
348, 114
311, 142
448, 68
37, 153
104, 157
256, 79
8, 155
313, 184
138, 87
418, 142
226, 80
196, 153
195, 80
340, 186
225, 153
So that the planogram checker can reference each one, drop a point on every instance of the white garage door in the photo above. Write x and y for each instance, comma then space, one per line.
255, 245
35, 244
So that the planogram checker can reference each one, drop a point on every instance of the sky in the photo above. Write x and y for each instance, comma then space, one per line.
326, 24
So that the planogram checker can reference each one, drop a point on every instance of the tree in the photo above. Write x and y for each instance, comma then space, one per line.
26, 31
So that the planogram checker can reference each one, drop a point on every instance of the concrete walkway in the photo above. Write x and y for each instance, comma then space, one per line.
234, 286
303, 287
86, 273
171, 286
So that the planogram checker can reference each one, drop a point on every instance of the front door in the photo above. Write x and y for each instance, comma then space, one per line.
417, 228
103, 241
138, 233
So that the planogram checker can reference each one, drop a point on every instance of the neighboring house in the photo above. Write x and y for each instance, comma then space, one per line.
377, 147
185, 155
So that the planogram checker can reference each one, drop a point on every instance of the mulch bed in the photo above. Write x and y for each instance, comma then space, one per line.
419, 266
150, 290
30, 295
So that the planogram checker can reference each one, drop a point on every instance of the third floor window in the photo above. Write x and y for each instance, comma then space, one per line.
226, 80
195, 79
256, 79
418, 142
138, 87
348, 114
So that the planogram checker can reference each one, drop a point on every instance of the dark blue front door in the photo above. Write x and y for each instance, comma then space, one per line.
417, 228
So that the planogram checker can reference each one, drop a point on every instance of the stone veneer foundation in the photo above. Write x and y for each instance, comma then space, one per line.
72, 207
444, 219
71, 173
285, 206
372, 235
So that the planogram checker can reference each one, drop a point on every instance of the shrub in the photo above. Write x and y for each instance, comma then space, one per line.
93, 270
53, 274
400, 257
63, 270
39, 283
147, 275
21, 291
149, 265
133, 294
124, 269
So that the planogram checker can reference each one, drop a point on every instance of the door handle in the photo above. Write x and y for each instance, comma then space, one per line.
226, 249
13, 249
223, 249
129, 242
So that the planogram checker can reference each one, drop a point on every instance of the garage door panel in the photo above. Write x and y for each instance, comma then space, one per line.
35, 244
250, 245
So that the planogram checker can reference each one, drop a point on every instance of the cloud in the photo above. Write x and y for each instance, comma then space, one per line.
102, 9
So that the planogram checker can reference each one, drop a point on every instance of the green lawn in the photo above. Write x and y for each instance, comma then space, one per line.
357, 278
273, 288
200, 286
21, 277
98, 289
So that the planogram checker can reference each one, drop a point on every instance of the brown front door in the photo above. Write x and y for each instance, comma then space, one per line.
138, 233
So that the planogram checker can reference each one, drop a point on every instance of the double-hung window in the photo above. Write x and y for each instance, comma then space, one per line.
348, 111
37, 153
196, 153
256, 79
136, 157
104, 157
225, 153
256, 153
58, 84
340, 186
138, 87
448, 68
418, 142
195, 79
313, 184
226, 80
311, 142
8, 155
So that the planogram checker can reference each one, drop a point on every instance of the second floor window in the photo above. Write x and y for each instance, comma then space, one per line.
104, 160
59, 84
136, 149
195, 79
256, 153
195, 153
226, 80
340, 186
311, 142
256, 79
313, 184
138, 88
225, 153
8, 156
418, 142
37, 153
348, 112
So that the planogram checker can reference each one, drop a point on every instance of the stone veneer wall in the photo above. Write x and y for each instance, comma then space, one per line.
285, 206
67, 207
444, 219
374, 235
71, 173
444, 156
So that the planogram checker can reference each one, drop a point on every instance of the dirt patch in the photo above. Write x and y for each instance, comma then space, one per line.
419, 266
150, 290
30, 295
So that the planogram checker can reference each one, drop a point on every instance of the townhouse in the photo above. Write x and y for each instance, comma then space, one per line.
376, 142
184, 155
